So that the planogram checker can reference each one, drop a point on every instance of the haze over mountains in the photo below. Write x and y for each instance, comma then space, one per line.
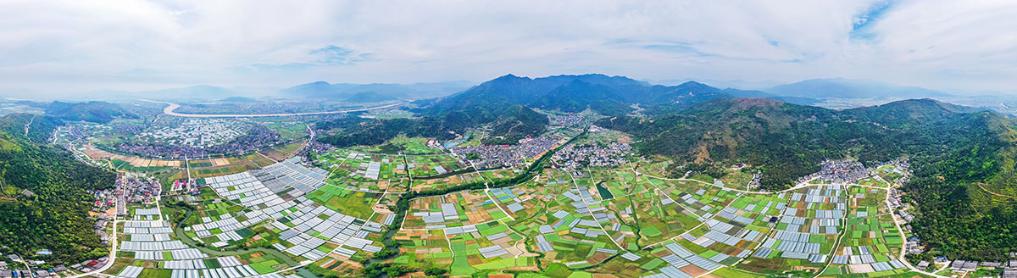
850, 88
374, 91
606, 90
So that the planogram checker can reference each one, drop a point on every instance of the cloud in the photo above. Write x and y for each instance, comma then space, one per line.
330, 55
334, 55
861, 29
61, 46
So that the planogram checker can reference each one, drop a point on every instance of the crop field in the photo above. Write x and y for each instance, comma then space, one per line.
402, 145
488, 246
346, 200
871, 240
289, 131
465, 208
433, 165
445, 181
375, 172
283, 151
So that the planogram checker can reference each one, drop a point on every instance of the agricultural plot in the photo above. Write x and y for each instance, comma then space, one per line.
288, 178
464, 232
593, 193
217, 222
727, 238
487, 247
423, 184
567, 225
871, 241
305, 228
806, 232
890, 172
874, 182
351, 201
432, 165
376, 172
738, 179
498, 174
678, 206
149, 249
289, 131
411, 146
424, 248
452, 212
517, 202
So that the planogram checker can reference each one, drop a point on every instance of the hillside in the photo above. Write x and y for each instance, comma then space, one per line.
507, 104
609, 95
91, 111
950, 148
45, 199
37, 128
788, 141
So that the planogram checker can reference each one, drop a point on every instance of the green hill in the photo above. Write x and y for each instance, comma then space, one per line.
950, 148
91, 111
45, 199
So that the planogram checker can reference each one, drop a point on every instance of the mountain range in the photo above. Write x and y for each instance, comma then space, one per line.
850, 88
375, 92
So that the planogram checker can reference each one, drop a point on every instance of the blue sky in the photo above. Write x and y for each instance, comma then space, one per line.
71, 47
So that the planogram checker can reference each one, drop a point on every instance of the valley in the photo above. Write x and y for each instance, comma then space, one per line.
715, 185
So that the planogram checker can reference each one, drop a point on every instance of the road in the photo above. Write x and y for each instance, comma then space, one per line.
1001, 195
112, 253
170, 107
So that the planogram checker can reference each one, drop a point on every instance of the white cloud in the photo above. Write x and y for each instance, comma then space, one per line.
64, 46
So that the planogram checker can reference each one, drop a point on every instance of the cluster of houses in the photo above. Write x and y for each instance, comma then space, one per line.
574, 157
200, 133
200, 138
12, 266
566, 119
498, 156
839, 171
1009, 268
138, 190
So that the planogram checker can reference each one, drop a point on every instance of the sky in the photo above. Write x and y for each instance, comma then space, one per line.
77, 47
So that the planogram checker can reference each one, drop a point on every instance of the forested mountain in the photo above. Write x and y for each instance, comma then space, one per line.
44, 198
951, 148
609, 95
507, 104
91, 111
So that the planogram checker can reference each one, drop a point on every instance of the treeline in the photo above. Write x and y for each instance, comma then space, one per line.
508, 125
44, 201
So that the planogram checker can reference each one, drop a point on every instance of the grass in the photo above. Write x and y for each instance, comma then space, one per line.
354, 203
265, 267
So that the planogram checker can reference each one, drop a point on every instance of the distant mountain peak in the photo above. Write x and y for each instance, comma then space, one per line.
510, 77
371, 92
